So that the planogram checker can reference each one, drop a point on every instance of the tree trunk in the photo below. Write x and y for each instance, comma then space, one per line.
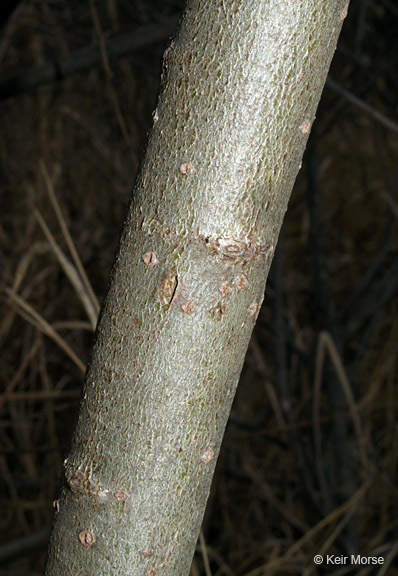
240, 86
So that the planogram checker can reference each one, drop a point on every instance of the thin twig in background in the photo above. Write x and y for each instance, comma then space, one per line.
325, 343
361, 28
390, 557
39, 395
296, 442
368, 308
15, 379
258, 356
354, 307
310, 534
68, 238
95, 138
23, 546
25, 80
9, 26
378, 116
322, 309
332, 517
274, 502
332, 537
204, 553
38, 321
71, 273
8, 480
326, 321
280, 330
108, 74
22, 268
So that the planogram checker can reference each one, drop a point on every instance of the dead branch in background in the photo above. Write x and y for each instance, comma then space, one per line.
25, 80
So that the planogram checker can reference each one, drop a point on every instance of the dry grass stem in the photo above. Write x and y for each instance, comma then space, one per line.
68, 238
38, 321
204, 553
71, 272
325, 343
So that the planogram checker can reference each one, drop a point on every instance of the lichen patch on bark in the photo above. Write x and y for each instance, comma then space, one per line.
225, 289
150, 258
187, 169
104, 495
188, 307
305, 127
147, 553
217, 311
207, 456
121, 495
253, 308
241, 282
344, 12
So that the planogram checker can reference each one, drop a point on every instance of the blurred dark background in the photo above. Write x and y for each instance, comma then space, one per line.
309, 461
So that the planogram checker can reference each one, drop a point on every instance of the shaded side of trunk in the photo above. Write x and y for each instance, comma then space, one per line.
239, 91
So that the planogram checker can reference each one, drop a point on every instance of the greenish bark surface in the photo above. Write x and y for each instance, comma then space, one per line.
240, 87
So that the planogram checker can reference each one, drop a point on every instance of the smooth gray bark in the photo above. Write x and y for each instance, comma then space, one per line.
240, 86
